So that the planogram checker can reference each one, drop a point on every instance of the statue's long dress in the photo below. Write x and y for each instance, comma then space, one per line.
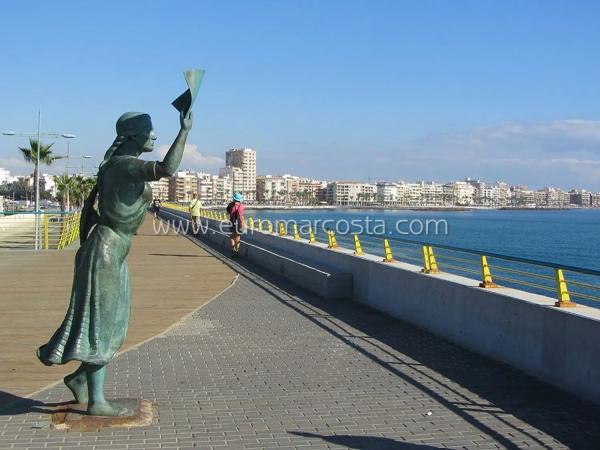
96, 322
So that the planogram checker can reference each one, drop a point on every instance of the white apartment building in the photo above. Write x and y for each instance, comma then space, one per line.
160, 189
289, 189
432, 193
387, 193
245, 159
311, 191
522, 196
205, 188
49, 185
493, 195
459, 193
222, 189
4, 176
351, 193
271, 189
235, 175
409, 194
182, 185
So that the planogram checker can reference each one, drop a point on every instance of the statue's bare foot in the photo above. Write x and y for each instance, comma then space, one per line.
77, 384
107, 409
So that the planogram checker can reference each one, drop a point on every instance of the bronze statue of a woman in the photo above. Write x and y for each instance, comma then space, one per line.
98, 315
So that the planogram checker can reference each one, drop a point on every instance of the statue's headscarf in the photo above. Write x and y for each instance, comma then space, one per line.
132, 123
128, 125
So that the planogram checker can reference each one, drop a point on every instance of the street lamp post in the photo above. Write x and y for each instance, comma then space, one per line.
83, 158
68, 137
39, 134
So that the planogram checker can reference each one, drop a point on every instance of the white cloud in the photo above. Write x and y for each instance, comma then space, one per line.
564, 153
193, 159
16, 166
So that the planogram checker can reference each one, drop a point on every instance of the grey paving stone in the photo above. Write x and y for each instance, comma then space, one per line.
267, 365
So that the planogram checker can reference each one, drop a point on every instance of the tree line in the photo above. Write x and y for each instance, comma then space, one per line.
75, 187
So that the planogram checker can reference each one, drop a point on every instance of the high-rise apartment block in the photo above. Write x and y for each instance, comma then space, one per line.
245, 159
182, 185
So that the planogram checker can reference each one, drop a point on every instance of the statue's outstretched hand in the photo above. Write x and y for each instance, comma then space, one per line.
186, 120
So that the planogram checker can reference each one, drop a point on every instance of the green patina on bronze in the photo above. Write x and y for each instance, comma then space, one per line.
96, 322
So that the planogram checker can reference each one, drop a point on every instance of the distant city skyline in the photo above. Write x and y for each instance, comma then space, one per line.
347, 89
56, 170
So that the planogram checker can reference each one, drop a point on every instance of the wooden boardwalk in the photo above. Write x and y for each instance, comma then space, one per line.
170, 278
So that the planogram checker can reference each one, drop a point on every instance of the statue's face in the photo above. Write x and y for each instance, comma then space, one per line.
146, 140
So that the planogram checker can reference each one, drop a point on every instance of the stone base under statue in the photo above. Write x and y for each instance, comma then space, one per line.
73, 417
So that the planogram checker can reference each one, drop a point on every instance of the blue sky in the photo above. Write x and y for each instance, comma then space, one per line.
434, 90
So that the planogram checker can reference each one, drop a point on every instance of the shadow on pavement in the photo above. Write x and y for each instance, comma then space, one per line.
179, 255
366, 442
13, 404
505, 390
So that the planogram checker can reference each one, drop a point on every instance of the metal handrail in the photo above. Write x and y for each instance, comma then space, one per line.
430, 265
497, 255
56, 230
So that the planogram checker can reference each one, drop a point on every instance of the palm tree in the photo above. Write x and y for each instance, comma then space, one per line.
80, 188
31, 156
63, 187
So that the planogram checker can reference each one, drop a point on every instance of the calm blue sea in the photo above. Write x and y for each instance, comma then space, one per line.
568, 237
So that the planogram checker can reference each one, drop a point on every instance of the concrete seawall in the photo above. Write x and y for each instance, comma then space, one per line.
524, 330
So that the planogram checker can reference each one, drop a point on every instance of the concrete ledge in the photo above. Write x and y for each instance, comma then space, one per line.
326, 282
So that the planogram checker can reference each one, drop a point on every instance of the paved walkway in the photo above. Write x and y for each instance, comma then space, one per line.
35, 289
268, 365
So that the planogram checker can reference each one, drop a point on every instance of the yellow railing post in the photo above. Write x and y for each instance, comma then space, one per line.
425, 253
331, 238
75, 227
270, 226
282, 230
433, 267
486, 274
68, 230
357, 247
311, 235
60, 236
64, 230
389, 257
251, 222
296, 234
45, 231
564, 298
259, 224
429, 262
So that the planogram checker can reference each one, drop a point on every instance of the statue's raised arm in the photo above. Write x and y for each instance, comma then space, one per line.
172, 159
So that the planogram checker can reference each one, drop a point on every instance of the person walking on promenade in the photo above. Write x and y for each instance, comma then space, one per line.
156, 208
195, 206
235, 209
